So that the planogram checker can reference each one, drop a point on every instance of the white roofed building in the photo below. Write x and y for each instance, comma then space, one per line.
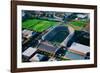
38, 57
79, 48
28, 52
27, 33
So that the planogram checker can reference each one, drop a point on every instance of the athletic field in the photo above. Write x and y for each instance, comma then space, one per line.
78, 24
38, 25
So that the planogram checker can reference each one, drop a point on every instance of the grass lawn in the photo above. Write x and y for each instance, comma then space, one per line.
37, 24
29, 23
79, 23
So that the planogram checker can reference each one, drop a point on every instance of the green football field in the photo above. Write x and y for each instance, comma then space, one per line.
38, 24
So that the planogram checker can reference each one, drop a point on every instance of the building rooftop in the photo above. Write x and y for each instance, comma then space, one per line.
73, 56
79, 48
39, 57
82, 15
27, 33
47, 47
28, 52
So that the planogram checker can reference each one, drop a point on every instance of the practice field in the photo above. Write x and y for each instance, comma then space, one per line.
38, 25
78, 24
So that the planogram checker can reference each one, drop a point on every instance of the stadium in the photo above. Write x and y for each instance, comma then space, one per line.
59, 35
